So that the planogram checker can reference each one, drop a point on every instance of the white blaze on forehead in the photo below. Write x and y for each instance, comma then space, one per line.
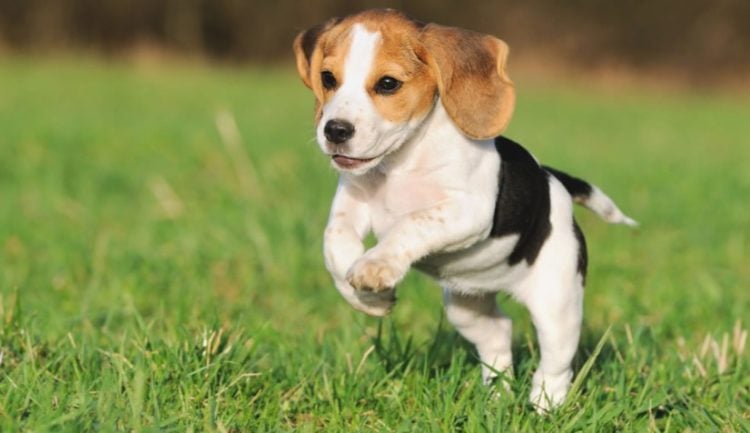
360, 58
351, 102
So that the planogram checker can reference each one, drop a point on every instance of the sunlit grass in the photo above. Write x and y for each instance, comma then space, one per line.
161, 273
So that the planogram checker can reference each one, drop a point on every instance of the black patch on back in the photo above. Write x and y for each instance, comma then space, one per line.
576, 187
523, 205
583, 256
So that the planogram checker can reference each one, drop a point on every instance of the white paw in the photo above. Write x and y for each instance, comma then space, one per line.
375, 304
375, 274
549, 391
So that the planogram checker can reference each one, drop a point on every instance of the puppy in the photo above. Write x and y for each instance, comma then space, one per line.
410, 114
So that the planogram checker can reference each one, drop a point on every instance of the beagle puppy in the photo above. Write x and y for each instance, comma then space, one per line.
410, 114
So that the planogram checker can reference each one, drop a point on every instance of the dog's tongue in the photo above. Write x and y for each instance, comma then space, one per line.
346, 162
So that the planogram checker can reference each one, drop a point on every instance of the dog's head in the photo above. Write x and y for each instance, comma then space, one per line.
376, 76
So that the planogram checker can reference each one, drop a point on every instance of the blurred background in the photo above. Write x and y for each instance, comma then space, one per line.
162, 204
701, 41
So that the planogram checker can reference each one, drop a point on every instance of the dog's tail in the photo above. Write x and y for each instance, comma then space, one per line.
592, 197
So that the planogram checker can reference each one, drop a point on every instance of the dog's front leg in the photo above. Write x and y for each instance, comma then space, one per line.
452, 225
347, 225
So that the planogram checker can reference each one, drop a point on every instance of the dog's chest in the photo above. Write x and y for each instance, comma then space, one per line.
399, 197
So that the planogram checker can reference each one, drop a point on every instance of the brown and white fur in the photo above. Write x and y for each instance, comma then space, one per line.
410, 116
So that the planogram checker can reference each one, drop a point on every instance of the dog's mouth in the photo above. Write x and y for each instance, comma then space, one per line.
349, 163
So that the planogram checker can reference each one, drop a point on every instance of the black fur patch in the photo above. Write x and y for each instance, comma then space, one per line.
310, 38
523, 205
583, 256
577, 188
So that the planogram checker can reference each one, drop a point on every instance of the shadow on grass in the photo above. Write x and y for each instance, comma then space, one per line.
445, 354
587, 347
398, 353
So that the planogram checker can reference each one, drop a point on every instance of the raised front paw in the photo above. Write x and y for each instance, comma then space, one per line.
375, 304
375, 274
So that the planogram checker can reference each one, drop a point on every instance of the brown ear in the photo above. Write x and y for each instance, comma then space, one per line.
304, 47
470, 70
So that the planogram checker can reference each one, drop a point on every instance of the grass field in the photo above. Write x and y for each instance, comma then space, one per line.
158, 275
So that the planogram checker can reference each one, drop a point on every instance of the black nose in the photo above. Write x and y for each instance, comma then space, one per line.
338, 131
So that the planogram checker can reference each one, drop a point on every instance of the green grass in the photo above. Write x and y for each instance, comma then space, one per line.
156, 278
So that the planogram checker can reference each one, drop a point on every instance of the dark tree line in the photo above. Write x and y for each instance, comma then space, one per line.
698, 35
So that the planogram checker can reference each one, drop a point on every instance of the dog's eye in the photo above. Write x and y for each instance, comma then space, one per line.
328, 79
387, 85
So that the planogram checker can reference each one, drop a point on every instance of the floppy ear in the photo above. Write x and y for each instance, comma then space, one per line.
470, 71
304, 47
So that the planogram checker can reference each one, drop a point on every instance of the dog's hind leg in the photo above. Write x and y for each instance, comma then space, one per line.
479, 320
556, 309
